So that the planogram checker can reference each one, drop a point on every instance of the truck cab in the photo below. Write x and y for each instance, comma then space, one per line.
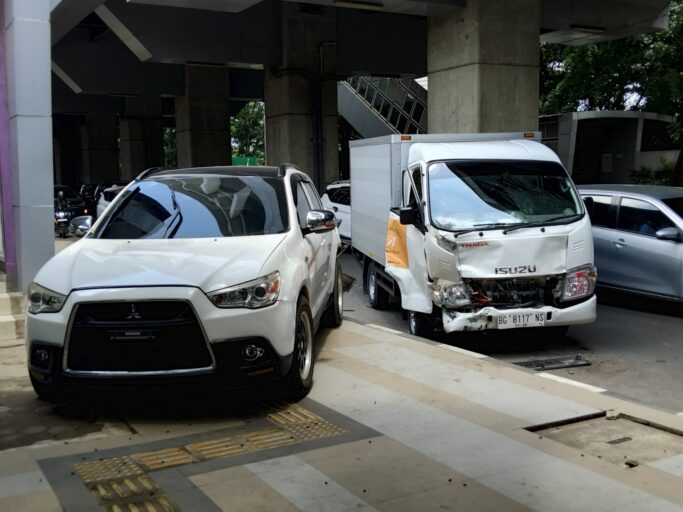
484, 233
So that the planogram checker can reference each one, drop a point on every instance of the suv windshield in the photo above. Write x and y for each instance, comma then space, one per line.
467, 194
198, 207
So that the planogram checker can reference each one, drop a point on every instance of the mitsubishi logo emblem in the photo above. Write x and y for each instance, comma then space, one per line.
133, 314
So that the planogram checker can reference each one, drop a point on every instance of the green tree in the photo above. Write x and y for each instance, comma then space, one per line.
170, 150
246, 130
641, 73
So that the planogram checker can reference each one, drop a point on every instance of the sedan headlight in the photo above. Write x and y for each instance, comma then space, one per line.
42, 300
579, 282
254, 294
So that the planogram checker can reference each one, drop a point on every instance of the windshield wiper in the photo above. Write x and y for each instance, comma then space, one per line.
542, 223
178, 215
480, 227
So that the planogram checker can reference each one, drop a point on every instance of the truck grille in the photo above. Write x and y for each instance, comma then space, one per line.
146, 336
512, 293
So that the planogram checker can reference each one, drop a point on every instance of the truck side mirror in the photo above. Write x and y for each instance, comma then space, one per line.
590, 205
409, 216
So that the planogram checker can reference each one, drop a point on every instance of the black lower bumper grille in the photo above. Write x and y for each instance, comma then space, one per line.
153, 336
513, 293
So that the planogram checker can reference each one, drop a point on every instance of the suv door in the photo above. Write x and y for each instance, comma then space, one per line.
639, 260
319, 245
339, 199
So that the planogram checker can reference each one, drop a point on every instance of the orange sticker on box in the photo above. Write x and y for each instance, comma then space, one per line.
396, 249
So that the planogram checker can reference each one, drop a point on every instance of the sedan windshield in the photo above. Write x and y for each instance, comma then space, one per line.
481, 194
197, 207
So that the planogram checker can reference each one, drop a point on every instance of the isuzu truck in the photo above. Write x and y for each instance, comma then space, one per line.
471, 232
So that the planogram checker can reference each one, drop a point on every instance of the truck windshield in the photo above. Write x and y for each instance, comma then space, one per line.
198, 207
477, 194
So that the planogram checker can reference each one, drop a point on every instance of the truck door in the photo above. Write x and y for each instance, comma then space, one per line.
405, 253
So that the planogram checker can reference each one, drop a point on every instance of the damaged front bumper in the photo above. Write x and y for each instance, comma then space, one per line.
488, 317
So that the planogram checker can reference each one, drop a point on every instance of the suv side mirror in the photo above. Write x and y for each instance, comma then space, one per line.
668, 234
409, 216
590, 205
81, 225
319, 221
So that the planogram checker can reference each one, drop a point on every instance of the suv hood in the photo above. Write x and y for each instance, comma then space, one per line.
206, 263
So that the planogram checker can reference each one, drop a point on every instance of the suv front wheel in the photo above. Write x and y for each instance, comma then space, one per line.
300, 377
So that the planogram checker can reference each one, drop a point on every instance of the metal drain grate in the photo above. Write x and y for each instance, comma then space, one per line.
554, 363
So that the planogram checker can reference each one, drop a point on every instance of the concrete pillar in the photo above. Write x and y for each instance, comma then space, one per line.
100, 148
301, 106
483, 67
25, 138
203, 118
141, 136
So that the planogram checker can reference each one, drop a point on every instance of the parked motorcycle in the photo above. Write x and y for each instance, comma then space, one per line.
62, 216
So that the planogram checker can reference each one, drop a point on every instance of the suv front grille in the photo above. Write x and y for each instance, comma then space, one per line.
144, 336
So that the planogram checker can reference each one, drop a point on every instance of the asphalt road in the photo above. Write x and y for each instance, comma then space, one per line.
635, 347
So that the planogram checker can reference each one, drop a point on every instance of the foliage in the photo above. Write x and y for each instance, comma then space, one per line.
637, 73
170, 150
647, 176
246, 129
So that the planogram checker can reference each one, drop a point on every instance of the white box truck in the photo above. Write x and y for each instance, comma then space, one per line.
471, 232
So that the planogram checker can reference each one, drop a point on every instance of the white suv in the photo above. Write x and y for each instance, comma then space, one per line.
220, 275
337, 197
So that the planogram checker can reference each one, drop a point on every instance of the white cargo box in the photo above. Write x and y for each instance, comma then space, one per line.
376, 187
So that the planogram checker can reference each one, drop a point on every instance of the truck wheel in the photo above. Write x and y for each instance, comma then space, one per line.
379, 298
299, 381
332, 317
419, 325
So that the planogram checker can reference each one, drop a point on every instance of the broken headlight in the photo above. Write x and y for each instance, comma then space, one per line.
579, 283
450, 295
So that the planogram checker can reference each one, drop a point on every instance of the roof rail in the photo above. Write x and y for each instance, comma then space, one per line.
147, 172
282, 169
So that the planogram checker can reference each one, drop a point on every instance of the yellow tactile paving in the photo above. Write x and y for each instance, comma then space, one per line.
164, 458
122, 485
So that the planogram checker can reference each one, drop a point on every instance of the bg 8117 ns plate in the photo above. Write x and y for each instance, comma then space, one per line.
514, 320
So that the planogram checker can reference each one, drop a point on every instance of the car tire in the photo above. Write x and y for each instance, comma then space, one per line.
44, 391
378, 296
419, 324
300, 377
332, 317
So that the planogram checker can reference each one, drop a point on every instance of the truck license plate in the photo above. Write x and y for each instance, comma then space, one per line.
513, 320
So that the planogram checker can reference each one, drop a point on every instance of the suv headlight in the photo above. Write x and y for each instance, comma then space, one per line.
454, 295
254, 294
42, 300
579, 282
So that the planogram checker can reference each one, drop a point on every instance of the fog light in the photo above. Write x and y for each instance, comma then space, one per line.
251, 353
41, 358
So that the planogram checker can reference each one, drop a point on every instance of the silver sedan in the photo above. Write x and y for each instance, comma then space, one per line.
638, 236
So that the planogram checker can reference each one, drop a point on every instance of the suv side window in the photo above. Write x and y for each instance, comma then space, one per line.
313, 197
600, 215
341, 195
641, 217
301, 202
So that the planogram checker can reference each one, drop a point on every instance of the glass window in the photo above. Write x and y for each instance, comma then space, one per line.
401, 125
354, 81
641, 217
198, 207
408, 103
417, 113
369, 95
411, 128
676, 204
473, 194
600, 214
313, 197
377, 104
393, 119
363, 87
386, 106
302, 205
341, 195
383, 83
